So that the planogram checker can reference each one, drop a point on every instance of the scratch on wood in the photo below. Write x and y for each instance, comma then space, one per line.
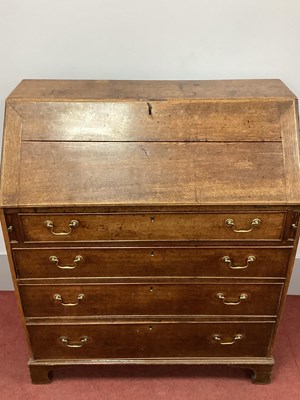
146, 152
195, 181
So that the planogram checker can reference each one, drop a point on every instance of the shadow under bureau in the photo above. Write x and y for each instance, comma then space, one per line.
151, 222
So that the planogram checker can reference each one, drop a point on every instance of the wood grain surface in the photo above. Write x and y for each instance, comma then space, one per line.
152, 340
155, 227
149, 262
152, 90
72, 173
160, 121
150, 299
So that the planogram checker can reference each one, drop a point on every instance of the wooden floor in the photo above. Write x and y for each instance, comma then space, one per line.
155, 383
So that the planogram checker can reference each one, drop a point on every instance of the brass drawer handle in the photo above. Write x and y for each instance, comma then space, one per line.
218, 338
227, 260
58, 297
231, 224
77, 259
242, 297
66, 341
72, 225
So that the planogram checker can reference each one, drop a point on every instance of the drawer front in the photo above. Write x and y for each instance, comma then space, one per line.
135, 262
156, 226
154, 340
150, 299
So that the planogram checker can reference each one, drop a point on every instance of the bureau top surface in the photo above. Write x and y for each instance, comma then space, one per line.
87, 143
149, 90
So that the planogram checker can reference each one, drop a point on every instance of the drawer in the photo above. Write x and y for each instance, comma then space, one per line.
154, 340
156, 261
155, 226
150, 299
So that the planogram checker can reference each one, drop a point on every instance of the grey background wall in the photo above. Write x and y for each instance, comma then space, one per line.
147, 39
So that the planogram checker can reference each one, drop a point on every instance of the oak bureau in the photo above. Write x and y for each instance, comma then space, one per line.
151, 222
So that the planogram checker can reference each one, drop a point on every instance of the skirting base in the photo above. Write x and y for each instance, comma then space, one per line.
41, 371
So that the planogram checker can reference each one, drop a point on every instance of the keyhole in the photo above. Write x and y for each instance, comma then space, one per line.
151, 289
149, 109
152, 254
152, 219
150, 328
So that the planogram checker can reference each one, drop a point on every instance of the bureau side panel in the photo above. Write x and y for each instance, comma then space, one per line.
13, 274
11, 154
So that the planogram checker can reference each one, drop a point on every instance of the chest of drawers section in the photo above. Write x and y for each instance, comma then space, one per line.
132, 290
